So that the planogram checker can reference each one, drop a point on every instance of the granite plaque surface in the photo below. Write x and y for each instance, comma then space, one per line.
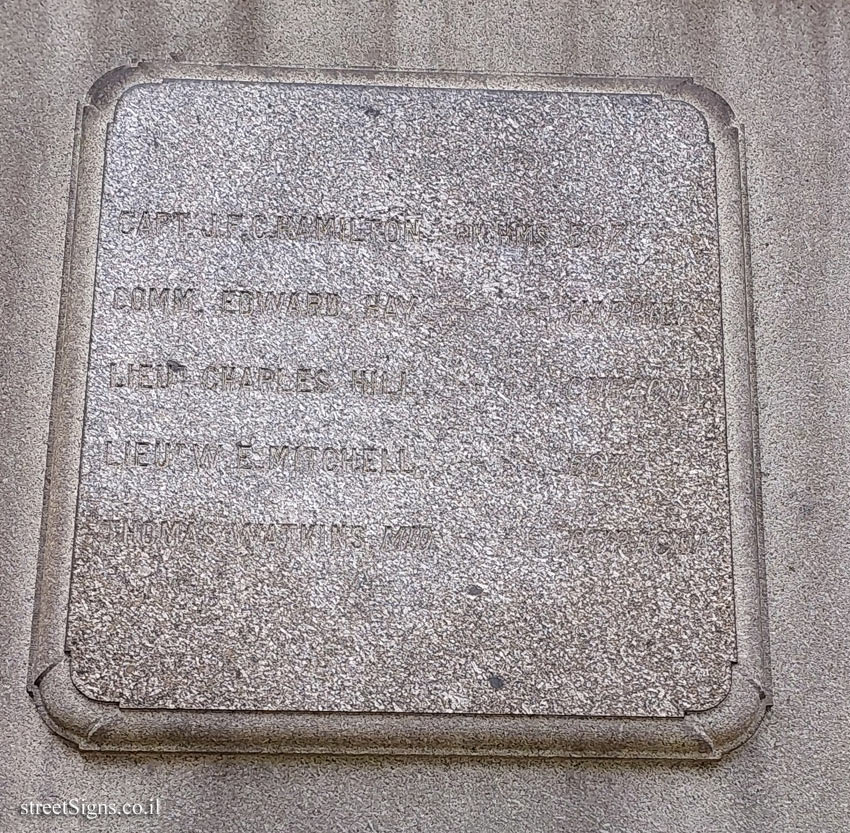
404, 399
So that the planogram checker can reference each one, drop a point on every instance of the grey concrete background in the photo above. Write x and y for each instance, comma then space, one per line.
785, 68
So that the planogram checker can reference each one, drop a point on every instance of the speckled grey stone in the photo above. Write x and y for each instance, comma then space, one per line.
405, 400
784, 68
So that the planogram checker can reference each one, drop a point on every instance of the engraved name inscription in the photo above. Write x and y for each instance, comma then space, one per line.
290, 458
282, 536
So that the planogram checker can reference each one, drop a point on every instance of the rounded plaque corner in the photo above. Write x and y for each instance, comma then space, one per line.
711, 106
108, 90
735, 719
65, 709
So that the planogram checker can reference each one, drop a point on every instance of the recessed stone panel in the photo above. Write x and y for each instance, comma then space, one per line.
405, 400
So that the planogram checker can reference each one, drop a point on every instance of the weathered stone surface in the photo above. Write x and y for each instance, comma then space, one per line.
782, 67
405, 400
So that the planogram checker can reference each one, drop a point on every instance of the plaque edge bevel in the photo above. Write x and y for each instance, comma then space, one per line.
94, 725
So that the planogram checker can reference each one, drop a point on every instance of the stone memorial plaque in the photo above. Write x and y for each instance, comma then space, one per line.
402, 413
